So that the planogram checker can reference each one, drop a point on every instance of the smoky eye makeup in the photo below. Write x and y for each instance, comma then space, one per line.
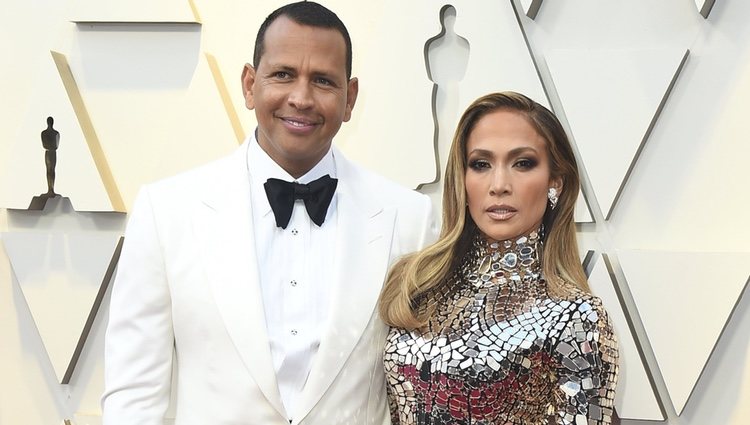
479, 164
526, 163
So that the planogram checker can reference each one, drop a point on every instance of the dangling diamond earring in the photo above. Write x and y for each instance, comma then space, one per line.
552, 196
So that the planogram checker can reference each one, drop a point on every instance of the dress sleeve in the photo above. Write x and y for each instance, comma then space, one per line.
139, 343
393, 406
587, 359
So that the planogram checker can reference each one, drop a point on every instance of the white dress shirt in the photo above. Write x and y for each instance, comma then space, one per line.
296, 269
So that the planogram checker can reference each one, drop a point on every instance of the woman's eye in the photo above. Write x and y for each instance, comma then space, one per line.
479, 164
525, 163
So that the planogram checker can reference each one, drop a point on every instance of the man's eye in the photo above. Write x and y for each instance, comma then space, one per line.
323, 81
281, 75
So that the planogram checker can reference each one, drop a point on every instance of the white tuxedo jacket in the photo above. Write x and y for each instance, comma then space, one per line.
188, 280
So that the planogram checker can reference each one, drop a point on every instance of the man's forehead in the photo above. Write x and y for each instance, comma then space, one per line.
284, 27
289, 43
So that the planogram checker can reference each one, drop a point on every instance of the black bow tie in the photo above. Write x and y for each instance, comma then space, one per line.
317, 196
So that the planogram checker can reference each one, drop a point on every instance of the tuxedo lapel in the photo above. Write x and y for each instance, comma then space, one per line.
223, 224
364, 235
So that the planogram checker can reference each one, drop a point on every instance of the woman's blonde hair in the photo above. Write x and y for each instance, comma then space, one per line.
415, 275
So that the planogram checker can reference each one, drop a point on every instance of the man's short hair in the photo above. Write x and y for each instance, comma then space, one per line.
305, 13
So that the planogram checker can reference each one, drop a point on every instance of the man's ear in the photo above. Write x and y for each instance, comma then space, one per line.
352, 89
248, 79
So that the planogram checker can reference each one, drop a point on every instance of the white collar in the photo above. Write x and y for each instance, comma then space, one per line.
261, 167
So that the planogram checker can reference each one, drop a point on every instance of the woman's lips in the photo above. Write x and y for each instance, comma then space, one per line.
501, 212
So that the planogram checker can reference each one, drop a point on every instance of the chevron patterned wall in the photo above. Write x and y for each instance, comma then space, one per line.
655, 96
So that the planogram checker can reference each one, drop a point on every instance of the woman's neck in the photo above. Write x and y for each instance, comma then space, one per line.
511, 261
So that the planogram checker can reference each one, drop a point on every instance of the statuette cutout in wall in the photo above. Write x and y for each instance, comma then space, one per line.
447, 53
77, 168
446, 57
50, 143
500, 57
390, 37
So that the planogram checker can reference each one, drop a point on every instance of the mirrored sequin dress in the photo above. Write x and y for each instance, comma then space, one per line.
502, 350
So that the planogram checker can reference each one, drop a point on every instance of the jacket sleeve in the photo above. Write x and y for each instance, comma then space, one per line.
139, 342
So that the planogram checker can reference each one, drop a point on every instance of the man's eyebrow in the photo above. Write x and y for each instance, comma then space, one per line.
280, 67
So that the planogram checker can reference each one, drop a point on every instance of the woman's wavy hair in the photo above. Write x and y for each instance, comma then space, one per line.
415, 275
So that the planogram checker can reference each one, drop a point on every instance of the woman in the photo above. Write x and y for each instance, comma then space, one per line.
494, 323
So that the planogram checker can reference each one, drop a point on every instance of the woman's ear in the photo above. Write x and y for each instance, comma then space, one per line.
557, 183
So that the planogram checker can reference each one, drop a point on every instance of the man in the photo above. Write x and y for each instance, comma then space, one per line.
270, 309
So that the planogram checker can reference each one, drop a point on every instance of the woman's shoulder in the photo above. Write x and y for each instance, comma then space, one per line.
577, 300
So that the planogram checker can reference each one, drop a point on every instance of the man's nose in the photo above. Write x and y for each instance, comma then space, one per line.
300, 96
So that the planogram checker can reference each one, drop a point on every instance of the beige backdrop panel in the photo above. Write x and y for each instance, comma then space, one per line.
24, 170
132, 11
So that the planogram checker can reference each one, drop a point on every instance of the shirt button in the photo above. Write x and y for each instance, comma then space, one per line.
293, 283
294, 232
294, 332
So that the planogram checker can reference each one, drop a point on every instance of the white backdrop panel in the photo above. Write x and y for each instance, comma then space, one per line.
60, 275
684, 300
635, 397
611, 98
